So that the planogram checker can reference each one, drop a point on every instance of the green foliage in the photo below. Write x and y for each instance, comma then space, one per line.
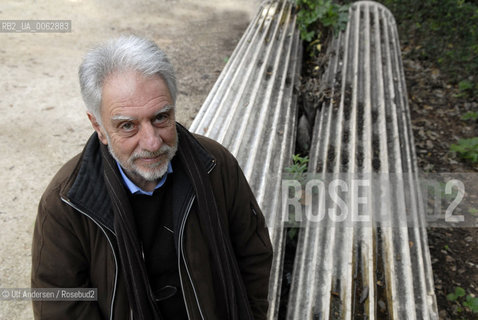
459, 292
438, 191
297, 172
292, 233
316, 15
469, 302
470, 115
467, 149
298, 168
467, 89
465, 85
473, 212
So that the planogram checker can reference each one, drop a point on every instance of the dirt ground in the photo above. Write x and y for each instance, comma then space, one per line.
43, 117
436, 113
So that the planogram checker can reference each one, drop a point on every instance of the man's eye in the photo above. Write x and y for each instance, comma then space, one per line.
127, 126
161, 119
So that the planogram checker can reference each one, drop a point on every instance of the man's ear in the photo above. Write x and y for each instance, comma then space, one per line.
98, 128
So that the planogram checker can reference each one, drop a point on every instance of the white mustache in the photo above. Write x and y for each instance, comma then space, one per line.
164, 150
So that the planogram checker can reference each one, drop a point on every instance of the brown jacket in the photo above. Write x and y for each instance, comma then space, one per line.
74, 243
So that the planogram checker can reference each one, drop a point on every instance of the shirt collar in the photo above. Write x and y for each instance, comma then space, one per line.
134, 189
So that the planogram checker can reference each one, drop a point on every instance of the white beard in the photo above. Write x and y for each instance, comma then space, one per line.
154, 171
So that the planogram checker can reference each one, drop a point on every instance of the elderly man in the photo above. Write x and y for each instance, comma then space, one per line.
161, 221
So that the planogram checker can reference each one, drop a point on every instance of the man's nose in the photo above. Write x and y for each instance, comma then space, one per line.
150, 140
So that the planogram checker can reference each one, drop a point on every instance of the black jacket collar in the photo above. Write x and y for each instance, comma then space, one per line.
90, 195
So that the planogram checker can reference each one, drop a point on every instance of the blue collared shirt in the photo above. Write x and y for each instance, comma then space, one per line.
134, 189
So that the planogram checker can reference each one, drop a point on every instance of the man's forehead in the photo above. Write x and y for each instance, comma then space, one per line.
124, 92
128, 82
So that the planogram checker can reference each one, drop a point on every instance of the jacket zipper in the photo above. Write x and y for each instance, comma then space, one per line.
150, 290
181, 236
111, 245
181, 233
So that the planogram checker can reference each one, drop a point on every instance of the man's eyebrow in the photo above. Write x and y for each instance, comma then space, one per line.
121, 118
167, 108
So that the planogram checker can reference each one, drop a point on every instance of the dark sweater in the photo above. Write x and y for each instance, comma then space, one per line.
154, 224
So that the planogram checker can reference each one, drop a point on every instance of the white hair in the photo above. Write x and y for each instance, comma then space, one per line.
118, 55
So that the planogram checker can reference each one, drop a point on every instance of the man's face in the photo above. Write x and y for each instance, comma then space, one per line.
138, 125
